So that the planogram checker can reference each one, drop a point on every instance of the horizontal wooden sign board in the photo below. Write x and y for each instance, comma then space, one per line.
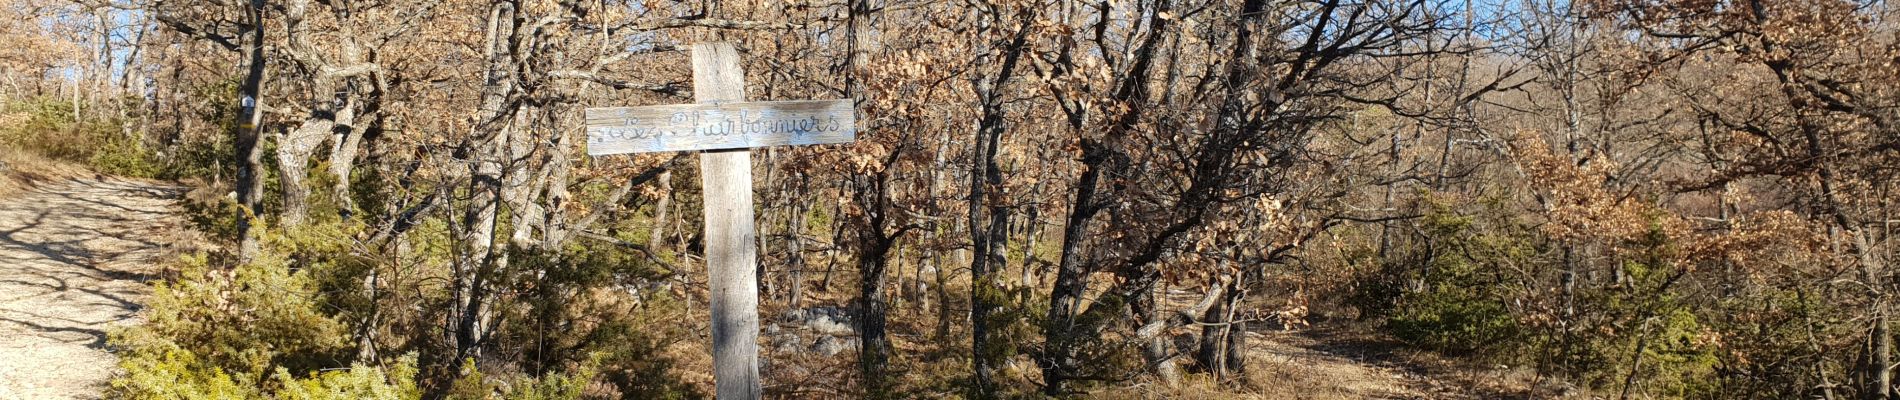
732, 125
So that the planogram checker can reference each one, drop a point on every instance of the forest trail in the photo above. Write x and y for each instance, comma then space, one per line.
1344, 362
1309, 369
74, 261
1333, 363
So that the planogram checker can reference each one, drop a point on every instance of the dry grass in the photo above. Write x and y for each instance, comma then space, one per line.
22, 171
1279, 368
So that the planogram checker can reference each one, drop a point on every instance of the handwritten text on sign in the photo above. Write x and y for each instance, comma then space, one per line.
617, 130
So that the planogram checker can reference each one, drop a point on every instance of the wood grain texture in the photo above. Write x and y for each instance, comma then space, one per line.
731, 252
718, 125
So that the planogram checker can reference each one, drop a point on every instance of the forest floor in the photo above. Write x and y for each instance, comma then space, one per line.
1302, 366
76, 254
1349, 363
1339, 359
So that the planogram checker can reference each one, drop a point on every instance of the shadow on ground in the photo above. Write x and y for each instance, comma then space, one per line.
74, 261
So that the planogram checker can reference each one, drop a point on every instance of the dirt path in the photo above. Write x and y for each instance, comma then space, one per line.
1305, 369
74, 259
1350, 364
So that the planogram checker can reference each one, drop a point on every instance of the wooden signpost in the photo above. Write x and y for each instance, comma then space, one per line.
725, 125
717, 126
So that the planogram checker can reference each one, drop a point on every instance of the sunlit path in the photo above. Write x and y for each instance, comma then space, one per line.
74, 261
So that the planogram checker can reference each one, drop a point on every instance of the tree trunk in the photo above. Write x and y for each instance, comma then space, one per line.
102, 78
1032, 233
656, 235
520, 180
1236, 344
944, 314
1880, 364
795, 253
476, 259
1155, 348
344, 147
484, 151
874, 349
986, 296
1059, 358
837, 237
1222, 343
1071, 279
295, 147
554, 220
293, 154
250, 186
986, 179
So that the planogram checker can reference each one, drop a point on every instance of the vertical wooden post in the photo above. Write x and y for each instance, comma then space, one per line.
724, 120
731, 255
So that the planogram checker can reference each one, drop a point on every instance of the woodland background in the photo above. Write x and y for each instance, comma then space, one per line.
1614, 198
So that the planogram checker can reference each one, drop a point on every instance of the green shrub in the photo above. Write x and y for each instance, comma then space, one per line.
208, 157
1462, 307
1628, 327
287, 324
1375, 283
1455, 320
158, 373
216, 327
570, 325
554, 386
126, 157
51, 127
1652, 333
475, 385
212, 212
360, 381
180, 375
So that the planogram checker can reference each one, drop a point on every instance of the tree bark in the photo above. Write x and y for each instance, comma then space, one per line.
483, 152
343, 150
795, 252
656, 235
986, 178
293, 155
874, 349
1879, 368
1222, 345
1059, 362
250, 186
1155, 347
